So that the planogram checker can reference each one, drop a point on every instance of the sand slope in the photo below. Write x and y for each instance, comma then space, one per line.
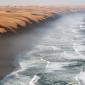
12, 17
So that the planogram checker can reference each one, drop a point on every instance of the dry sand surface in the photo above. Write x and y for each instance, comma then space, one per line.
12, 17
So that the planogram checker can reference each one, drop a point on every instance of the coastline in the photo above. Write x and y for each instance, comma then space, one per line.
12, 44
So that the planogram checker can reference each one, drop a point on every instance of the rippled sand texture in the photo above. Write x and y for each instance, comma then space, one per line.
12, 17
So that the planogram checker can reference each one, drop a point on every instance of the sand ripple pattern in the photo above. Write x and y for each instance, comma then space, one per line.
13, 17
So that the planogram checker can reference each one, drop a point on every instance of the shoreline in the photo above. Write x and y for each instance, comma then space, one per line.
12, 44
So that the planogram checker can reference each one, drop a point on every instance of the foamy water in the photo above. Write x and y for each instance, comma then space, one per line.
59, 59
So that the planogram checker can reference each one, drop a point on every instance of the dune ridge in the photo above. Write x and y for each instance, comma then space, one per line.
12, 17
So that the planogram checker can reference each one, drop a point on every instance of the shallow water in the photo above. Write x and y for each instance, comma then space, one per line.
58, 59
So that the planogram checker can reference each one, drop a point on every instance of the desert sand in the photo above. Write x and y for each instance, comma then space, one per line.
12, 17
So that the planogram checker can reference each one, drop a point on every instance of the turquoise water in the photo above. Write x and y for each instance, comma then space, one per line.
59, 59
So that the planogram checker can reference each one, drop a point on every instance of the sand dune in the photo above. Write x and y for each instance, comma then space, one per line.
12, 17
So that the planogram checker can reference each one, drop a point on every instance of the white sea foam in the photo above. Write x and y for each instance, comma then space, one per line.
53, 66
72, 56
34, 80
78, 47
82, 27
80, 78
48, 62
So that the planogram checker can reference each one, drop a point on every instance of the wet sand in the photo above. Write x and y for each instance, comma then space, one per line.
12, 44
